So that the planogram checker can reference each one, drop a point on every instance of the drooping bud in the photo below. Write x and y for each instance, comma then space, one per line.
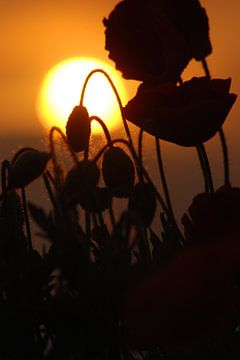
98, 200
80, 181
118, 172
142, 203
78, 128
28, 166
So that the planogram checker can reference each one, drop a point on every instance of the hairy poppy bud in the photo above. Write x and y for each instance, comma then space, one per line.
81, 180
78, 128
142, 203
27, 167
118, 172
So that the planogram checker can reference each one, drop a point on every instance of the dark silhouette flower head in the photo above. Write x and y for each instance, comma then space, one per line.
150, 39
28, 166
187, 115
213, 216
78, 128
118, 172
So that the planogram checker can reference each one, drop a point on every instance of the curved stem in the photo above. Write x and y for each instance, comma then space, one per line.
116, 94
162, 176
104, 127
27, 223
4, 170
53, 152
225, 157
206, 69
166, 191
206, 170
140, 155
221, 135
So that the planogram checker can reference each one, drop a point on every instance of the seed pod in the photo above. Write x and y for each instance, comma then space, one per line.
118, 172
27, 167
98, 200
142, 203
81, 181
78, 128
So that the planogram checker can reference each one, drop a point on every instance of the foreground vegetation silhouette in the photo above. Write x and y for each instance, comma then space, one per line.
109, 287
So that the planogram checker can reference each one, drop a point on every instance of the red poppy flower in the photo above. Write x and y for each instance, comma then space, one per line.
189, 301
187, 115
156, 39
213, 216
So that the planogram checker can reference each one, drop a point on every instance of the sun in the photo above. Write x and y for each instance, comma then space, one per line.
61, 89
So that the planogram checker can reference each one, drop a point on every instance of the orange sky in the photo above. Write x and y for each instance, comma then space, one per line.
35, 35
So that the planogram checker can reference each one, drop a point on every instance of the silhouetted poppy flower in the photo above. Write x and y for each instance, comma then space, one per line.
187, 115
156, 39
118, 172
27, 167
190, 300
213, 216
78, 128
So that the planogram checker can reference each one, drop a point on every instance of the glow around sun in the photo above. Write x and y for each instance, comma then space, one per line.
61, 90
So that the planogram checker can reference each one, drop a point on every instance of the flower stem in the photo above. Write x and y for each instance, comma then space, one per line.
221, 135
53, 152
104, 127
225, 157
116, 94
27, 223
206, 170
162, 175
140, 157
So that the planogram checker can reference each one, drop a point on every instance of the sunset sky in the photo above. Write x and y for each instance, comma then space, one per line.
36, 35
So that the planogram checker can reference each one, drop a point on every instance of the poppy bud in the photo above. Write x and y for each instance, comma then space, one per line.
98, 200
27, 167
142, 203
81, 180
78, 128
118, 172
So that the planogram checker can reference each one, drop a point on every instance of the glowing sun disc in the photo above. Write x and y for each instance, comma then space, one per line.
61, 88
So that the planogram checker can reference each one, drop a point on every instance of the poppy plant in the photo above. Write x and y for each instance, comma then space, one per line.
151, 39
212, 216
187, 115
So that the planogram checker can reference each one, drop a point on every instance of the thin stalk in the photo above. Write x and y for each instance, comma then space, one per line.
53, 151
221, 136
165, 189
206, 68
4, 170
162, 175
140, 153
205, 168
27, 223
104, 127
225, 157
116, 94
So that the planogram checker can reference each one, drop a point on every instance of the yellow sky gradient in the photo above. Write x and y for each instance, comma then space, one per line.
36, 35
